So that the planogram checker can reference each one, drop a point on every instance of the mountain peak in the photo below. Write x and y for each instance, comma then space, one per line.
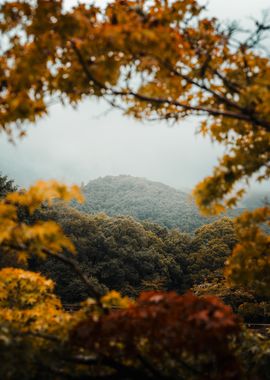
142, 199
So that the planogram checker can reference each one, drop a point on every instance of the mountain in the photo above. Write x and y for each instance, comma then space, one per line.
142, 199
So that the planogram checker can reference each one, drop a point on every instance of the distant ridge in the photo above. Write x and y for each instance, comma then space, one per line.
144, 200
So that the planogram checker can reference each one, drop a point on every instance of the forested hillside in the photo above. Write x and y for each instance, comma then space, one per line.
130, 256
144, 200
120, 253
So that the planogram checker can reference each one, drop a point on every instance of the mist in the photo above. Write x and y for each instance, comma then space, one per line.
82, 144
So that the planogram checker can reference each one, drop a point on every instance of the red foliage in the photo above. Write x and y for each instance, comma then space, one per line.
165, 324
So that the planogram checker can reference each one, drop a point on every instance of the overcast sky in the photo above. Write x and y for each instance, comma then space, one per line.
83, 144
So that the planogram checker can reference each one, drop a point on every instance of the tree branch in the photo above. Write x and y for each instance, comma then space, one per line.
71, 263
76, 267
227, 83
242, 116
218, 96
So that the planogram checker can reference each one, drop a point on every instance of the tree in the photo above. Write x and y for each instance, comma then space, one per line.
6, 185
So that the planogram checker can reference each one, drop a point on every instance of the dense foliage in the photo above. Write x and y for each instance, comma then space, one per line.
128, 256
118, 253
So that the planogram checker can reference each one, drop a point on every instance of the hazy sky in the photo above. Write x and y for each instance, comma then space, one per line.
82, 144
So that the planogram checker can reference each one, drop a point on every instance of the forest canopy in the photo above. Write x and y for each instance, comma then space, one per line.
128, 256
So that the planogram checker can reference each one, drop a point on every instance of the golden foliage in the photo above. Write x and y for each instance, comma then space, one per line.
249, 264
113, 299
28, 303
34, 239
